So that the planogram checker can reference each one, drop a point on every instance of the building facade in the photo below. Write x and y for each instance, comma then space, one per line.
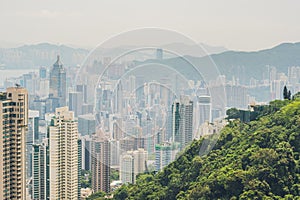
182, 121
165, 153
63, 155
132, 164
100, 164
13, 127
32, 137
40, 169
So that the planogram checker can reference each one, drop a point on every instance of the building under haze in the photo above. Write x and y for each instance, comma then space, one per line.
126, 170
86, 124
76, 102
32, 137
58, 84
133, 163
203, 110
86, 151
164, 154
182, 121
13, 127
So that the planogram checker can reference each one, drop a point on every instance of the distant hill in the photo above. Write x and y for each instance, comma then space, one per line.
241, 65
193, 50
254, 160
44, 54
253, 64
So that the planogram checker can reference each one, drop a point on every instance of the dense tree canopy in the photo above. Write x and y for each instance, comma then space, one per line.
254, 160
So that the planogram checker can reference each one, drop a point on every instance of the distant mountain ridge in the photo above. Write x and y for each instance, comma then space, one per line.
246, 65
241, 65
43, 54
282, 56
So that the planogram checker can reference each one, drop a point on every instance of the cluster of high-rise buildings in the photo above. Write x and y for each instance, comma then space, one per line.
56, 132
52, 130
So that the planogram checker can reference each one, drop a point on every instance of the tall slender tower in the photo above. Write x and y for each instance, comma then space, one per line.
127, 170
63, 155
58, 85
100, 164
32, 137
182, 121
40, 168
13, 127
203, 110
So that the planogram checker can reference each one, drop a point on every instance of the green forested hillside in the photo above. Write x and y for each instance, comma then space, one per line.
255, 160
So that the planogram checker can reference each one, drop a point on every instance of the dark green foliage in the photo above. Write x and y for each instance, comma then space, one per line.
296, 96
233, 113
285, 93
86, 182
122, 193
114, 175
254, 160
97, 196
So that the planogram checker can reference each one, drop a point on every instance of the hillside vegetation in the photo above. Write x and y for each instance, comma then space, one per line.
254, 160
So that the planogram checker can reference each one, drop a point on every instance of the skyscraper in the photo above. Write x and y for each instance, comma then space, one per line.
203, 110
182, 121
32, 137
140, 157
79, 166
115, 153
83, 90
63, 155
43, 72
100, 164
126, 169
13, 127
86, 150
132, 164
58, 85
40, 168
86, 124
164, 154
75, 102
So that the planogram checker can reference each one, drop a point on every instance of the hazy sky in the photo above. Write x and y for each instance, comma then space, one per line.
235, 24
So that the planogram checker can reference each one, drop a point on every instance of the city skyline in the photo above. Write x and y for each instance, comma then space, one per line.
149, 99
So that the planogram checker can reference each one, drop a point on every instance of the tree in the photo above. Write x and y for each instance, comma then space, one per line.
289, 95
96, 196
285, 93
233, 113
122, 193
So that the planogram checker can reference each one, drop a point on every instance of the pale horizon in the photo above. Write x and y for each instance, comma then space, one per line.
235, 25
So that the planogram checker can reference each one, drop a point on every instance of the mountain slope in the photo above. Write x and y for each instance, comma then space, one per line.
244, 65
253, 64
255, 160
